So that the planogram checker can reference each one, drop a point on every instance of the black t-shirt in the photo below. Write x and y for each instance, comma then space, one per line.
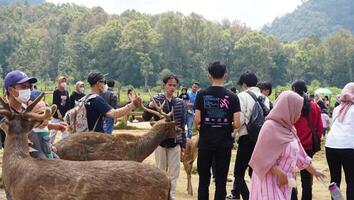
96, 108
75, 97
185, 97
217, 106
61, 99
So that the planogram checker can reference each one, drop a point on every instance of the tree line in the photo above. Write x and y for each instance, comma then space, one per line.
137, 49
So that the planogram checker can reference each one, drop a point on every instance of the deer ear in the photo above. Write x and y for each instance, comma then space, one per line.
53, 109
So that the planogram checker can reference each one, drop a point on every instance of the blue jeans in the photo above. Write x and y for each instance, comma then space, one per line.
108, 125
190, 120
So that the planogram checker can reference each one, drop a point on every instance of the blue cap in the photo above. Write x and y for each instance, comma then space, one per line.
17, 77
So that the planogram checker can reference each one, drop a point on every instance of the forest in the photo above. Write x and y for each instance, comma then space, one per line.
137, 49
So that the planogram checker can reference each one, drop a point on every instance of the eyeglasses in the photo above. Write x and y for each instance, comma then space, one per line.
103, 81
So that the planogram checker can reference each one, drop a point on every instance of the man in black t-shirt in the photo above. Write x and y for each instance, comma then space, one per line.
217, 112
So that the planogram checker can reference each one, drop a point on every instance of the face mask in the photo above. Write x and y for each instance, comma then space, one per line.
81, 90
105, 88
63, 85
23, 96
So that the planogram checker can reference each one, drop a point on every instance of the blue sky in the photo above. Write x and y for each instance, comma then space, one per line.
254, 13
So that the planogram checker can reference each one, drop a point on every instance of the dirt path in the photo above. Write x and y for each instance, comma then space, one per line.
319, 191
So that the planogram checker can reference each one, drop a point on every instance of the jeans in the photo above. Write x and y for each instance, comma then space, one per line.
108, 125
338, 158
243, 156
190, 120
221, 157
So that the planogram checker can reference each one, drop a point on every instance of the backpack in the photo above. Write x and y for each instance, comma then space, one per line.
76, 117
259, 112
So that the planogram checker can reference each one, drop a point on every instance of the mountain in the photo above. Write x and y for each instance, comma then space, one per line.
27, 2
314, 18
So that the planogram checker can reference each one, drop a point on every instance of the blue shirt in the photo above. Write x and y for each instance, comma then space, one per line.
96, 108
192, 97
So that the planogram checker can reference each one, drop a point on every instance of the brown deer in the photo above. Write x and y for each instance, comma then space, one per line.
98, 146
27, 178
188, 158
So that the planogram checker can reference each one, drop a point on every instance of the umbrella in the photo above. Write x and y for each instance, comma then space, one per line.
323, 91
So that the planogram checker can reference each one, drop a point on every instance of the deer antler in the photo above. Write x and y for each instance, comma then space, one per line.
38, 117
159, 109
6, 110
34, 103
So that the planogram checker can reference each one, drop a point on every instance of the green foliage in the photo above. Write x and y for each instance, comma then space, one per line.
314, 18
136, 49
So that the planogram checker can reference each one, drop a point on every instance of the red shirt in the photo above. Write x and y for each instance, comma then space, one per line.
303, 129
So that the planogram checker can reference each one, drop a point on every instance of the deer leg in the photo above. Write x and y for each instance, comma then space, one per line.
188, 169
189, 186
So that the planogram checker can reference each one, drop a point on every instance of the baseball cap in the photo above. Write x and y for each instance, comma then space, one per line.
17, 77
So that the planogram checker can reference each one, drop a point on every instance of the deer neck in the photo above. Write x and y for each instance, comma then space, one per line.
150, 141
16, 147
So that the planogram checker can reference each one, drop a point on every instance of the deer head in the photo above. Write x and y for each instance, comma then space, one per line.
23, 123
165, 117
159, 110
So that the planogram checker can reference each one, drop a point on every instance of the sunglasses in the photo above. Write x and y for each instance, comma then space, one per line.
103, 81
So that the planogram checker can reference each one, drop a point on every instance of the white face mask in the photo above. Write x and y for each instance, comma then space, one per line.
105, 88
63, 85
23, 96
81, 90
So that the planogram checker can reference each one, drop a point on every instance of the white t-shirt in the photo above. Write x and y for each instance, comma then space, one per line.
341, 135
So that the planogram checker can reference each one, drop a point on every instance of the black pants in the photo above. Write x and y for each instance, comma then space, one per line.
221, 157
336, 158
243, 156
306, 183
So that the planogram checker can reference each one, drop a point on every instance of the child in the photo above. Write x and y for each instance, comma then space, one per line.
41, 146
278, 151
325, 121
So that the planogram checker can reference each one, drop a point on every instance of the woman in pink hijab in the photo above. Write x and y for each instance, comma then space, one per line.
340, 141
278, 151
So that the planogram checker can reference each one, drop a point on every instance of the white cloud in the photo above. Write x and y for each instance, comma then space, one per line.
254, 13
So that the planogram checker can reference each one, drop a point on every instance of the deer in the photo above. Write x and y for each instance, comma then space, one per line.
97, 146
188, 158
28, 178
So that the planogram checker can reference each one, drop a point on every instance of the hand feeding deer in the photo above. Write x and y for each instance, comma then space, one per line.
98, 146
38, 179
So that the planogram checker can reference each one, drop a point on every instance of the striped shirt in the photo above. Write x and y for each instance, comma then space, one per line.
268, 188
179, 112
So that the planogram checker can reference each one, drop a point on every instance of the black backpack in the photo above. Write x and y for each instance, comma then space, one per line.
259, 112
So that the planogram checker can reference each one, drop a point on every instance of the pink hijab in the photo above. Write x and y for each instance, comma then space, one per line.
276, 132
346, 100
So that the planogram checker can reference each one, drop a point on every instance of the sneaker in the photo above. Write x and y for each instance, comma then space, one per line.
231, 196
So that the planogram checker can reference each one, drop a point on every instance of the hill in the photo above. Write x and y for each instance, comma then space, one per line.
314, 18
26, 2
